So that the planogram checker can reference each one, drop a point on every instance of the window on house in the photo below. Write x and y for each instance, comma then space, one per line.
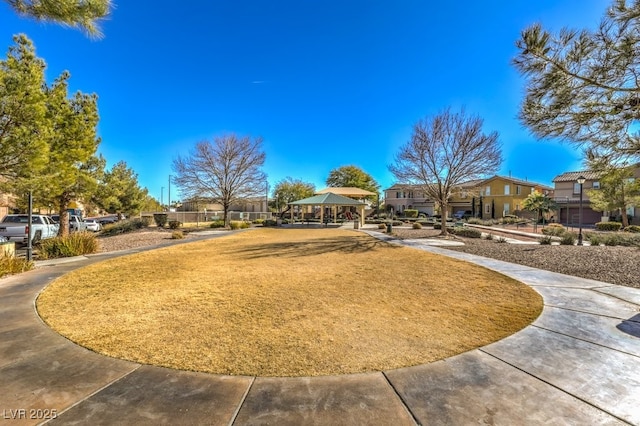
532, 190
507, 189
410, 194
596, 185
576, 188
518, 190
487, 190
506, 208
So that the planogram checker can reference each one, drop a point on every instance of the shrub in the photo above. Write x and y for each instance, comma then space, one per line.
489, 236
381, 226
123, 227
568, 239
509, 220
146, 220
467, 232
475, 220
437, 225
621, 240
410, 213
594, 239
501, 240
545, 240
239, 224
417, 225
217, 224
177, 235
269, 222
13, 265
160, 219
554, 230
608, 226
632, 228
75, 244
174, 224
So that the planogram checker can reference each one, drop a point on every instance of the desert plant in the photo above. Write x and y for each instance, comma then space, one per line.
632, 228
123, 227
160, 219
410, 213
13, 265
174, 224
217, 224
417, 225
568, 239
489, 236
554, 229
594, 239
146, 220
501, 240
177, 235
381, 226
466, 232
545, 240
475, 220
270, 222
239, 224
608, 226
75, 244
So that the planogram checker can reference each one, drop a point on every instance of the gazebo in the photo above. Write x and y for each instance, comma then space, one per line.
347, 191
332, 200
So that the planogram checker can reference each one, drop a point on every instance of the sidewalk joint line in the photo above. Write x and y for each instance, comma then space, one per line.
404, 403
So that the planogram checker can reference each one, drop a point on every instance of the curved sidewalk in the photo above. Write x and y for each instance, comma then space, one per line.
578, 363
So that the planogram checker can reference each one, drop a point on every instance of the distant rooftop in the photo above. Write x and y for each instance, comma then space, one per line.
573, 176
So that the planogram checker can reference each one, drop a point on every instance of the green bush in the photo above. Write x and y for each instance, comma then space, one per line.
270, 222
608, 226
475, 220
632, 228
554, 230
410, 213
568, 239
258, 221
217, 224
417, 225
466, 232
75, 244
621, 240
593, 238
123, 227
239, 224
509, 220
160, 219
437, 225
174, 224
14, 265
545, 240
146, 220
177, 235
489, 236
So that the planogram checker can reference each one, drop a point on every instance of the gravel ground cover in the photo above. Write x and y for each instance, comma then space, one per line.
615, 265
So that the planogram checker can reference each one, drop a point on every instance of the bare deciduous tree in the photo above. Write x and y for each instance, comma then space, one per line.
445, 151
226, 170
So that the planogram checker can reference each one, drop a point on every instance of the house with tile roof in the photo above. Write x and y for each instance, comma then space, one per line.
567, 197
489, 198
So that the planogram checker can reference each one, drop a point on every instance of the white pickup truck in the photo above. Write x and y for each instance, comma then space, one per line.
15, 227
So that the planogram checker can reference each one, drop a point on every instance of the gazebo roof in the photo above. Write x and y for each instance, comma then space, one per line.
347, 191
328, 199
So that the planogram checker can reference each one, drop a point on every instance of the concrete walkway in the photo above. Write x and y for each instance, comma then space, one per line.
578, 363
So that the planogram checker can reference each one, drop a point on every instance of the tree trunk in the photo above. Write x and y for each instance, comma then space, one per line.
64, 200
625, 217
443, 219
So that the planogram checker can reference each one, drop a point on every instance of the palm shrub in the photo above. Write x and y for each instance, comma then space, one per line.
75, 244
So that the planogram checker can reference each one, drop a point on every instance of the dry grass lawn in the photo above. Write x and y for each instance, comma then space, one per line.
278, 302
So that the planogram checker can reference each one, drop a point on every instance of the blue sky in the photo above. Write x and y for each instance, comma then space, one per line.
324, 83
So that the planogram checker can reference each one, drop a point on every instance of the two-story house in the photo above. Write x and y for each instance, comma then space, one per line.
490, 198
567, 197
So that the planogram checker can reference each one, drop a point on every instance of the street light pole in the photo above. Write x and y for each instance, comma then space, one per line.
169, 194
161, 196
581, 181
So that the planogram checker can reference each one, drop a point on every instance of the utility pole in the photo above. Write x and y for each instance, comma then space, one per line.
169, 194
161, 195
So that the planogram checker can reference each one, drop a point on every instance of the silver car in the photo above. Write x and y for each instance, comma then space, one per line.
93, 225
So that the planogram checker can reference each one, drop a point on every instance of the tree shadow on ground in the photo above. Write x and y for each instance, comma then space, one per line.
346, 245
630, 326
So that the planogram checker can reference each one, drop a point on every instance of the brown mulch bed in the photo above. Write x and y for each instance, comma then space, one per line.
615, 265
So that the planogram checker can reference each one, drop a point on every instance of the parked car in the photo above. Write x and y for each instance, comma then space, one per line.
462, 214
75, 222
93, 225
107, 220
15, 227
